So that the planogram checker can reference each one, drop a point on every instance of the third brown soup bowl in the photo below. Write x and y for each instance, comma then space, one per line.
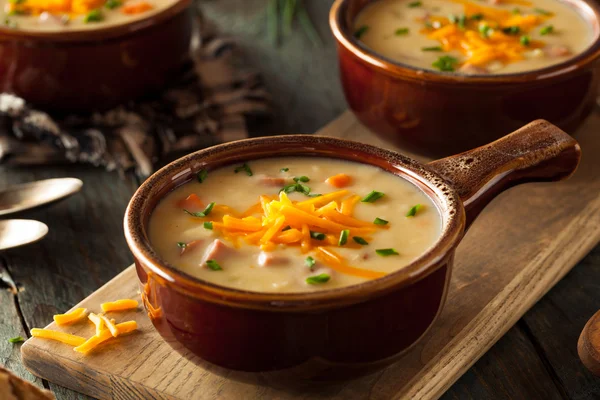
441, 113
343, 331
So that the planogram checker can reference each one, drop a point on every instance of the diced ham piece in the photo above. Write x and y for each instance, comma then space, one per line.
471, 69
217, 250
190, 246
494, 2
557, 50
267, 180
269, 259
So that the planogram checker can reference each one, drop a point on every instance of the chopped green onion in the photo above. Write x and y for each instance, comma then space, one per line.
208, 225
243, 167
380, 221
315, 195
372, 197
317, 279
213, 265
317, 235
343, 237
415, 4
17, 339
485, 29
462, 20
413, 210
512, 30
361, 31
17, 1
202, 175
516, 11
476, 17
546, 30
386, 252
525, 40
541, 11
296, 187
452, 18
302, 178
284, 170
181, 245
433, 48
401, 31
445, 63
112, 4
360, 240
93, 16
203, 213
287, 228
309, 262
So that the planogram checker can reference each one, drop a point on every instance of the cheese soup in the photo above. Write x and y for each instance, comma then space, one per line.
293, 224
76, 15
474, 37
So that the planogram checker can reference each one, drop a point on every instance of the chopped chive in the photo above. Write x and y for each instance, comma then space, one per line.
386, 252
343, 237
415, 4
462, 20
302, 178
361, 31
315, 195
372, 197
317, 279
380, 221
93, 16
413, 210
516, 11
243, 167
512, 30
360, 240
208, 225
484, 30
213, 265
203, 213
287, 228
317, 235
296, 187
309, 262
525, 40
181, 245
401, 31
542, 11
112, 4
17, 339
202, 175
433, 48
452, 18
477, 17
445, 63
546, 30
284, 170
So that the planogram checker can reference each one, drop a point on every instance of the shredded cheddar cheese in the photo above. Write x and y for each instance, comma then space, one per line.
94, 341
63, 337
99, 322
70, 317
119, 305
110, 324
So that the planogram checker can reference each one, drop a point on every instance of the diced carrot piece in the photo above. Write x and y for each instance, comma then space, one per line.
70, 317
339, 180
136, 8
119, 305
67, 338
192, 203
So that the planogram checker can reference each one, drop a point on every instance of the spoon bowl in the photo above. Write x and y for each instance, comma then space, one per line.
34, 194
18, 232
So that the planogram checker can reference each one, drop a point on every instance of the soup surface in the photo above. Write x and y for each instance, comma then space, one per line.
363, 224
474, 37
76, 15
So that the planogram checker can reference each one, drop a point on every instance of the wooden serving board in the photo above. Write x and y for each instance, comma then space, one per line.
520, 246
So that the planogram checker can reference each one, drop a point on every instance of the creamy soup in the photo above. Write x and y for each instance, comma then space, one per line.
474, 37
76, 15
294, 225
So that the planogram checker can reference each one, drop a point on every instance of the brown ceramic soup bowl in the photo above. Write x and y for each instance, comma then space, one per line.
441, 113
338, 332
96, 69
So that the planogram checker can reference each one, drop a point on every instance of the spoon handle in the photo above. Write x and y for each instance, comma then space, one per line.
588, 346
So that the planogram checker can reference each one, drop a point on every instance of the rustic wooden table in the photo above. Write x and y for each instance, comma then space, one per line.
536, 359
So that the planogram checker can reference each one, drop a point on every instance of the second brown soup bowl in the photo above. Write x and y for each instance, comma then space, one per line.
332, 334
441, 113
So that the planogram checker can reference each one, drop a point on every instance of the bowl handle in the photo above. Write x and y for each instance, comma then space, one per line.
537, 152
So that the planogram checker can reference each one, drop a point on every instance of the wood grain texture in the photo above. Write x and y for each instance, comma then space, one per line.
526, 241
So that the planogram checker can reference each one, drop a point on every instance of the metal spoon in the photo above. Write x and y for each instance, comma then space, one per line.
34, 194
17, 232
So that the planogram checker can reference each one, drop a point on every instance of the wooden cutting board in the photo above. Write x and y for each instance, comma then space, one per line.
520, 246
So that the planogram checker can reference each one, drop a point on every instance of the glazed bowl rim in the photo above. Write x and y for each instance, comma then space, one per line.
453, 217
398, 69
99, 34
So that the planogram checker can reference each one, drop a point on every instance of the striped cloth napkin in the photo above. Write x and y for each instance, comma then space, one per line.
206, 106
